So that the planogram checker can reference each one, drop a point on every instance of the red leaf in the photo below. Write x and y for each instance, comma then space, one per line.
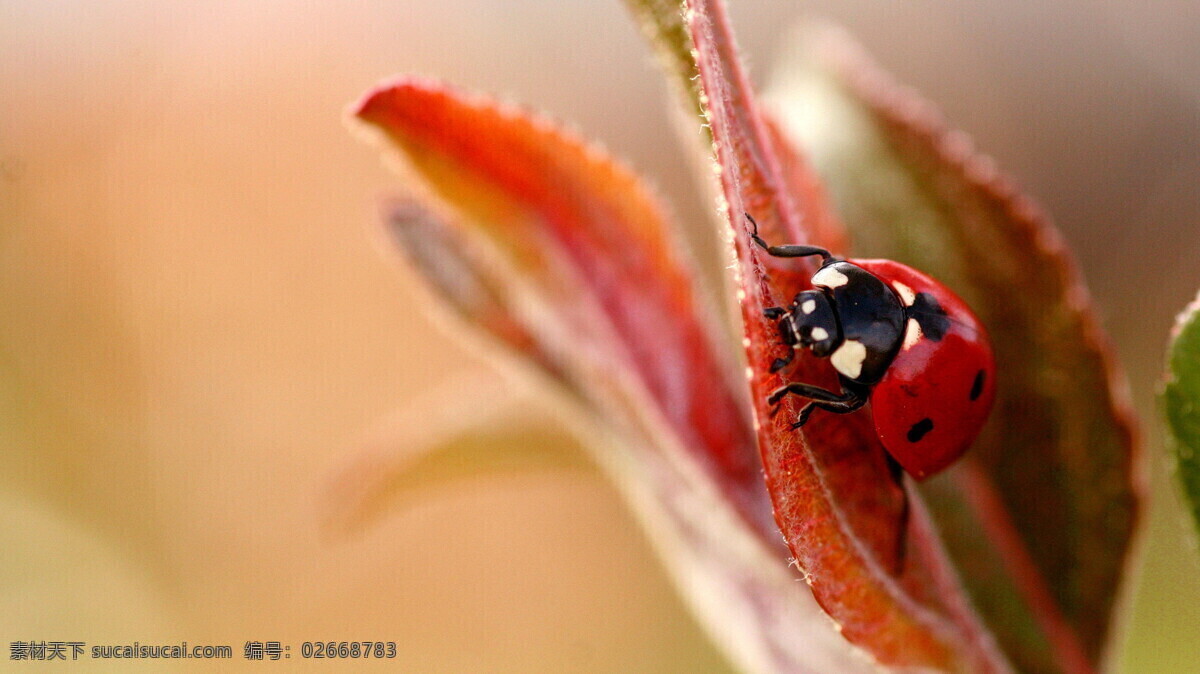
563, 211
834, 497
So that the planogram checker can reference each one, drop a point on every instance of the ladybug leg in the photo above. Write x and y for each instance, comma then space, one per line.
813, 392
789, 337
905, 513
781, 363
852, 399
837, 408
792, 250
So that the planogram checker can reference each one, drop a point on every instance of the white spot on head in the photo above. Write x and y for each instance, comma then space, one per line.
745, 342
912, 334
830, 278
819, 334
808, 306
849, 357
749, 373
906, 294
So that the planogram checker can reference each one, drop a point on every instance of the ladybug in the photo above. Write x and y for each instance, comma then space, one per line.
897, 338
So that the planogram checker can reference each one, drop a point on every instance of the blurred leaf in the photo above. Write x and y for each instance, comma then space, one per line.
559, 252
1181, 398
468, 428
467, 277
581, 250
1040, 515
836, 500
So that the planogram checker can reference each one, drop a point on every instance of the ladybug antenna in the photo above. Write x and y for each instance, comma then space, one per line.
790, 250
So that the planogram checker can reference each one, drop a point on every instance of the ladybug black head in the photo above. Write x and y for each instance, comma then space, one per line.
814, 324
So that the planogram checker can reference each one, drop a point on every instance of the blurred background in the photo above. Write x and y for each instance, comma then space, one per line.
198, 328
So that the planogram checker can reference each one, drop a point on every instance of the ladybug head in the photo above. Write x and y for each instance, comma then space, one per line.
814, 324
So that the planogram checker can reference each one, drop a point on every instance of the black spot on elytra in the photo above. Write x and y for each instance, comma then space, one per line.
930, 316
977, 387
919, 429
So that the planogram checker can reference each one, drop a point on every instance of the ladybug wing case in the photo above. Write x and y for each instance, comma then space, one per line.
937, 393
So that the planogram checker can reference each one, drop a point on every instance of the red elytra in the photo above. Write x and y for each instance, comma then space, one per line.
936, 394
